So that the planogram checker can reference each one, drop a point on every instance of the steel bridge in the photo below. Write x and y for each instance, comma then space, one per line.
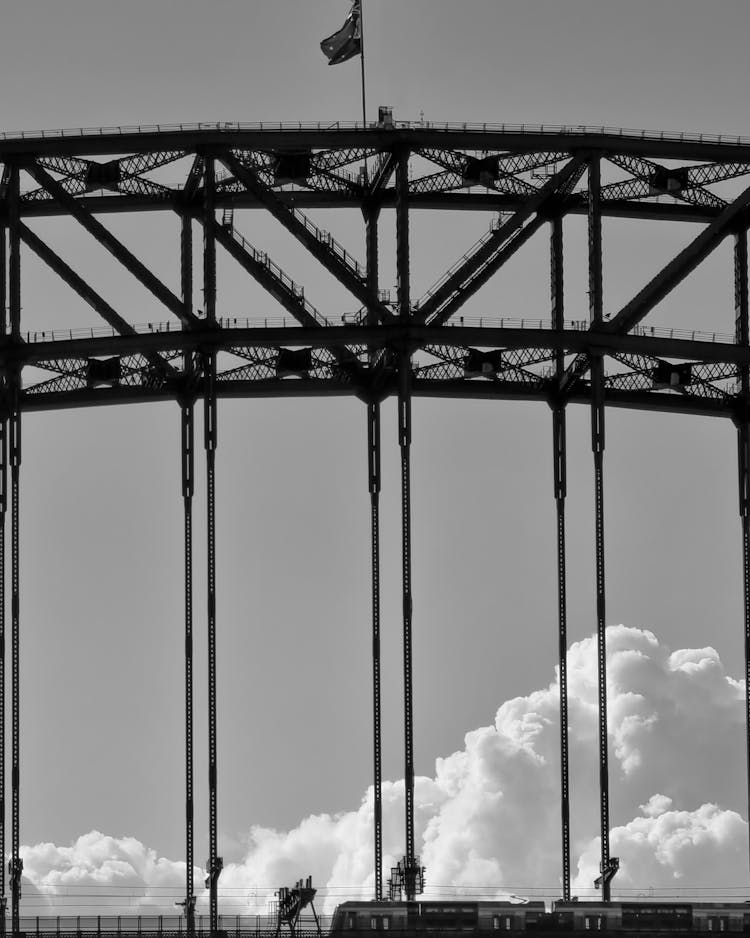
394, 345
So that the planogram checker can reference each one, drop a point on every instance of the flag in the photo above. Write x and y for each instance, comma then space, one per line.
346, 42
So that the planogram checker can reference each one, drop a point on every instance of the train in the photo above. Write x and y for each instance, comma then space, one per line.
464, 918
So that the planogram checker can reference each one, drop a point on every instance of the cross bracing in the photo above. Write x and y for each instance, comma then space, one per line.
455, 339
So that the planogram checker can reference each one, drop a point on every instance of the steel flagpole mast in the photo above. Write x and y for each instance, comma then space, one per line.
362, 60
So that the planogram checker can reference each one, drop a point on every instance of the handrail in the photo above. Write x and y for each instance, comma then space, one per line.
326, 238
444, 278
230, 322
574, 130
292, 286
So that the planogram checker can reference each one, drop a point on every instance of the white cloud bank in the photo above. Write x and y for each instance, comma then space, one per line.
490, 815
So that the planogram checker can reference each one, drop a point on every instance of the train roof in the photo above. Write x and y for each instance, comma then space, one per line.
371, 904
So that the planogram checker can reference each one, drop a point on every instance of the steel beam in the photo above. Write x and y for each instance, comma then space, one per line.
87, 293
596, 304
75, 282
188, 477
402, 236
617, 203
14, 420
742, 332
373, 450
404, 435
404, 429
467, 290
374, 462
560, 491
677, 269
292, 302
214, 864
117, 249
483, 262
741, 327
3, 512
209, 240
308, 235
743, 447
187, 439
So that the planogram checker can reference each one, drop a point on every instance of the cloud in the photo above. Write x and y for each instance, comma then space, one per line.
674, 851
489, 816
98, 873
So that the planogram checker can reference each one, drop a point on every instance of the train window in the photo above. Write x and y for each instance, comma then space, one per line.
380, 923
593, 922
496, 923
717, 923
350, 920
507, 922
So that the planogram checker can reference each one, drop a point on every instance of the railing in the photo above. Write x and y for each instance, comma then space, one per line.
326, 238
349, 319
290, 285
109, 926
235, 127
442, 280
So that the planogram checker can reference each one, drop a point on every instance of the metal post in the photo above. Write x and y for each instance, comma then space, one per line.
402, 235
597, 444
743, 448
373, 462
560, 482
209, 239
187, 414
742, 334
14, 286
209, 290
404, 433
214, 861
3, 511
373, 449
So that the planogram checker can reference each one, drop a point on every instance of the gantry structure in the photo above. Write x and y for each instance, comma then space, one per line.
530, 180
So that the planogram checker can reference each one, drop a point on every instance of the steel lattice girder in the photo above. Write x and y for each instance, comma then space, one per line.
531, 177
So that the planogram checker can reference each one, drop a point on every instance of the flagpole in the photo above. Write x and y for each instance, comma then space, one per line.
362, 59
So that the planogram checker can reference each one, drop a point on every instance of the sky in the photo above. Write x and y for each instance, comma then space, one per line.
102, 746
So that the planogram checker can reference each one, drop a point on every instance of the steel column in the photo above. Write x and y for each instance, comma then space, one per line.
187, 414
3, 510
560, 484
597, 444
404, 435
743, 445
402, 235
14, 288
404, 432
209, 239
373, 450
373, 462
188, 478
214, 861
209, 298
742, 334
742, 329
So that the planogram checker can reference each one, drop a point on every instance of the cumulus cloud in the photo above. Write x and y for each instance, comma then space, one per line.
672, 851
489, 816
97, 872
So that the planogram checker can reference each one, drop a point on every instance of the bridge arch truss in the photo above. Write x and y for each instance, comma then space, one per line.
531, 179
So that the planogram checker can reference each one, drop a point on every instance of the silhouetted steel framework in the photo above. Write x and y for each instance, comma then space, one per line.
529, 177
